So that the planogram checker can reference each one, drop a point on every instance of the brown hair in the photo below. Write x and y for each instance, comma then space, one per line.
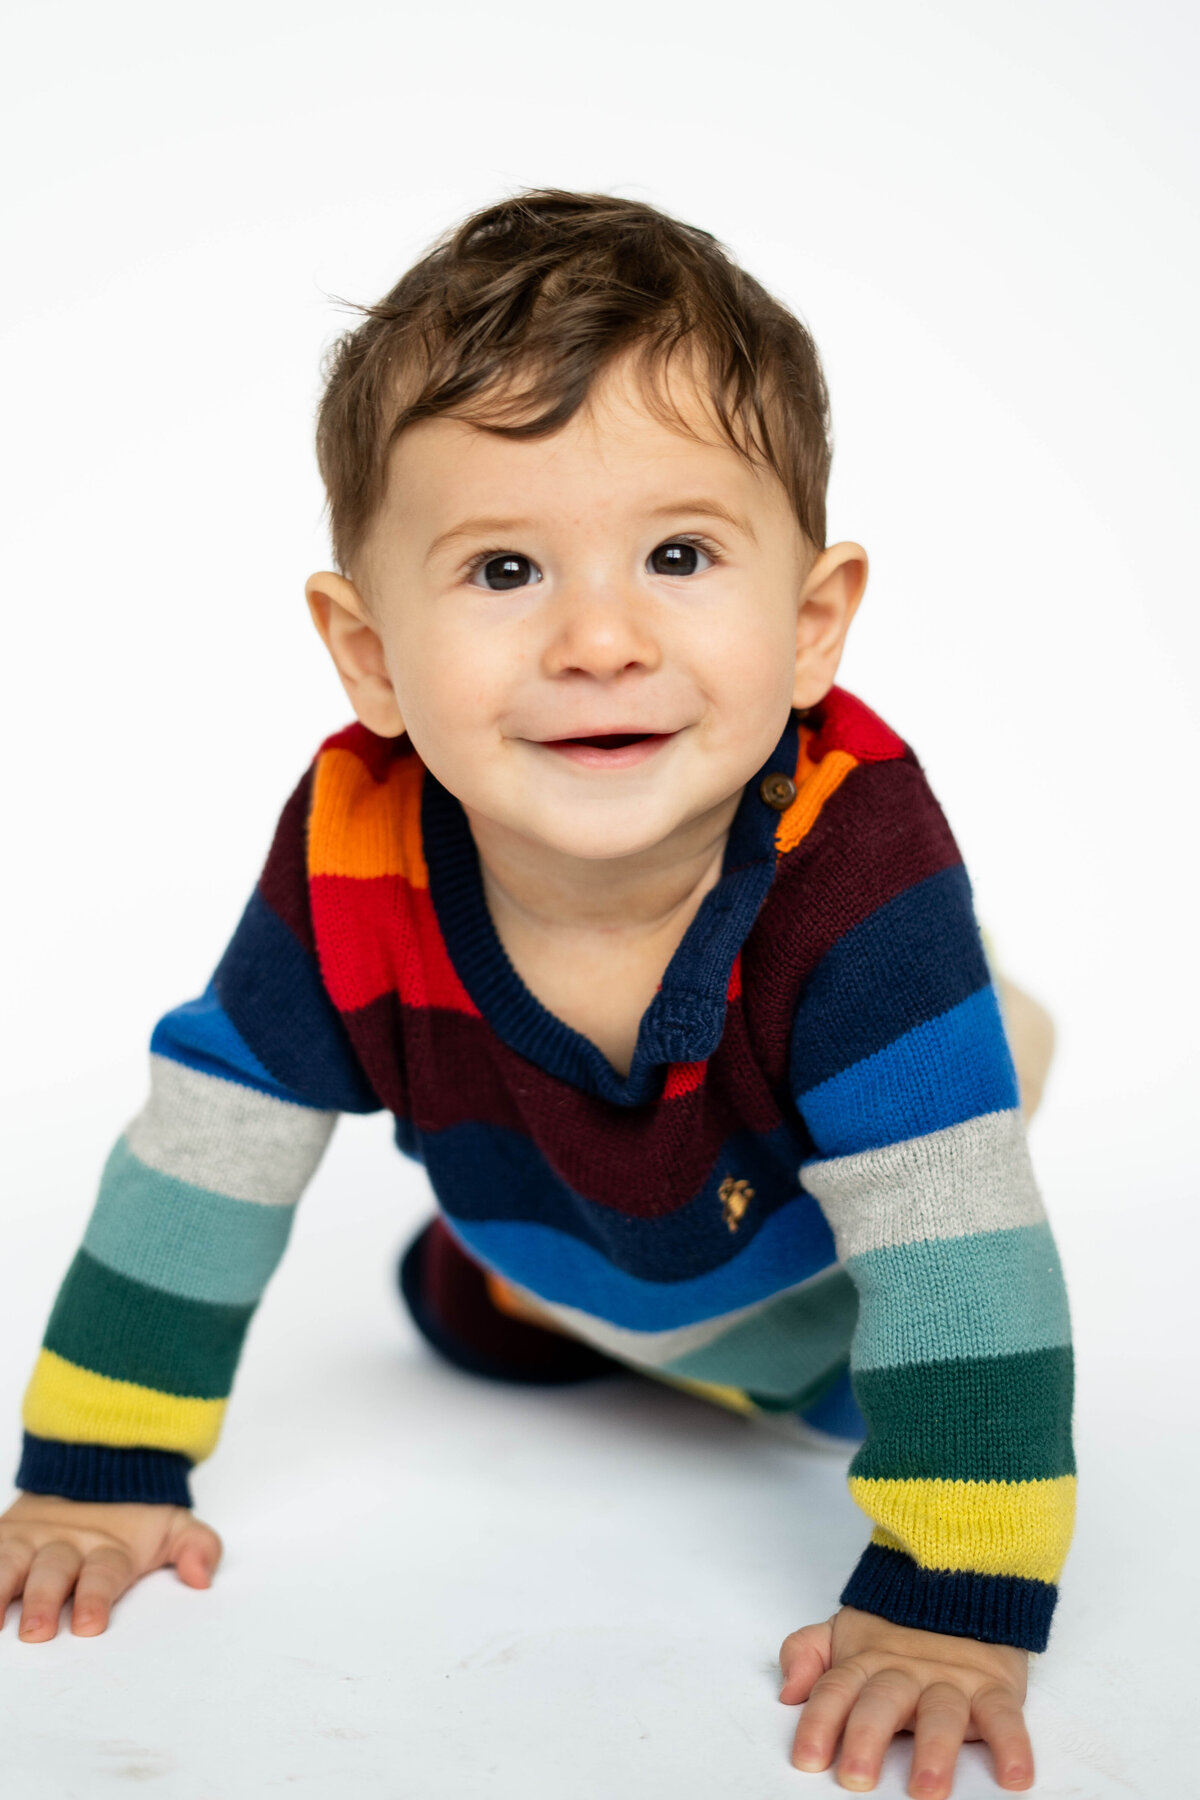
508, 319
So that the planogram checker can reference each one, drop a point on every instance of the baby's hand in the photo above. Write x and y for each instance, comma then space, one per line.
49, 1545
865, 1679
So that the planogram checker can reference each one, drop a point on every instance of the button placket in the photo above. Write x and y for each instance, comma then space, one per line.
777, 791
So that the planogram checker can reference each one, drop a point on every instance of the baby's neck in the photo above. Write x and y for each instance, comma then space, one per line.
655, 895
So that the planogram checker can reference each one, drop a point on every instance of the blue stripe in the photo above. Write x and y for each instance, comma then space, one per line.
487, 1174
995, 1293
909, 962
557, 1267
200, 1035
941, 1073
271, 989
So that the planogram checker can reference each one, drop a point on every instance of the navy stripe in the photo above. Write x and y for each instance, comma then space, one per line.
200, 1035
483, 1173
1000, 1609
271, 989
100, 1472
911, 960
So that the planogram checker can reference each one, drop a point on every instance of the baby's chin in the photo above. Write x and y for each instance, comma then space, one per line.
599, 829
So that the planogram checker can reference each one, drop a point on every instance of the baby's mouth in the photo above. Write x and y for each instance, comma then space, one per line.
610, 740
609, 749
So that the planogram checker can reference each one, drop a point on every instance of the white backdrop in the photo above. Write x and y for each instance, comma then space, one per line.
986, 214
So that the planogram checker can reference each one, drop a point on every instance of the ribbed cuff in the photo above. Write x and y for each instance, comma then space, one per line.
999, 1609
100, 1472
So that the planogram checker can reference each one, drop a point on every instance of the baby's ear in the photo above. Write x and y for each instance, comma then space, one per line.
344, 623
829, 600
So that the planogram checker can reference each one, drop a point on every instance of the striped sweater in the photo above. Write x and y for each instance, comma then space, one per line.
816, 1159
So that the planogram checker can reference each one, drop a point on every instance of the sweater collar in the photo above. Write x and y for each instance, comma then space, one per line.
684, 1021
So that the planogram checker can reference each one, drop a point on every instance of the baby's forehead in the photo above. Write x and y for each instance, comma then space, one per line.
610, 466
638, 432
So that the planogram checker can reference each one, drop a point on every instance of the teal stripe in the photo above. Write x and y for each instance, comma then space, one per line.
116, 1327
784, 1349
1007, 1418
997, 1293
182, 1239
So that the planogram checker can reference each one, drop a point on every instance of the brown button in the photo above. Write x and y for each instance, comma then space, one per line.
778, 791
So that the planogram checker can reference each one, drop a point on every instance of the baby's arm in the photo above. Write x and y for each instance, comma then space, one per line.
193, 1215
961, 1358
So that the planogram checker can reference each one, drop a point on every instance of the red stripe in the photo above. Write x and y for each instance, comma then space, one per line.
683, 1078
846, 724
381, 935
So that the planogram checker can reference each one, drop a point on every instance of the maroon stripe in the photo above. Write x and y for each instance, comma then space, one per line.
881, 833
459, 1072
283, 883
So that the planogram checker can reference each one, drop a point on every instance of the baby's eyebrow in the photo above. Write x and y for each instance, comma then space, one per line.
468, 528
711, 509
497, 528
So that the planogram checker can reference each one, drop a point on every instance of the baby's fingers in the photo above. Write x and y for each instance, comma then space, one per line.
104, 1577
50, 1579
803, 1656
16, 1554
943, 1714
821, 1721
195, 1550
1001, 1723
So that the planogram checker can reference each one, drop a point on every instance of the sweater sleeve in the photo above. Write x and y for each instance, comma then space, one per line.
961, 1361
194, 1209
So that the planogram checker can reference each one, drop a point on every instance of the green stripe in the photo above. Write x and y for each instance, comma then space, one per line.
182, 1239
782, 1350
1004, 1419
130, 1332
996, 1293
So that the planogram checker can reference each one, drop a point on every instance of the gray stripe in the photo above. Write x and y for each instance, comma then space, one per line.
226, 1138
654, 1349
971, 1177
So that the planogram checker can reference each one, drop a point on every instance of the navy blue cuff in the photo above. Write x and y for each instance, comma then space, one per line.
100, 1472
999, 1609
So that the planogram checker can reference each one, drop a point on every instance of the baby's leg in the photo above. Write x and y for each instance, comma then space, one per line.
447, 1293
1031, 1039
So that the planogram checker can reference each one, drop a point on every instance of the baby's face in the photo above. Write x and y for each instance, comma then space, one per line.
591, 638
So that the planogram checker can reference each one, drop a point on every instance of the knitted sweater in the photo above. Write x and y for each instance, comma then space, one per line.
817, 1155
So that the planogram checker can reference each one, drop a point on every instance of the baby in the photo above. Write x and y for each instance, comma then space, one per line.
658, 947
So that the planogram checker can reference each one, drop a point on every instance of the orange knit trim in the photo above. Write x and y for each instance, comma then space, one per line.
815, 782
362, 827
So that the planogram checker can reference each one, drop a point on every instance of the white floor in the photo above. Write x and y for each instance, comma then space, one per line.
435, 1586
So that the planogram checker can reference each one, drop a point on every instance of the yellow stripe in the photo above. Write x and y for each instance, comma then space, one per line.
79, 1407
990, 1527
815, 782
362, 827
731, 1397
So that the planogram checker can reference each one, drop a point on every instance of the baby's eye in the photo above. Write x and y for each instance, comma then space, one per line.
679, 557
504, 571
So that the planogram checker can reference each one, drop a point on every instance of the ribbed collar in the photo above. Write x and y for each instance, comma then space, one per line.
684, 1021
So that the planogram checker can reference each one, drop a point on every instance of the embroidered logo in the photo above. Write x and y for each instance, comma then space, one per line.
735, 1197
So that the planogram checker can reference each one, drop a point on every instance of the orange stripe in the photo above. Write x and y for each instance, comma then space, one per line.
362, 827
506, 1299
815, 782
